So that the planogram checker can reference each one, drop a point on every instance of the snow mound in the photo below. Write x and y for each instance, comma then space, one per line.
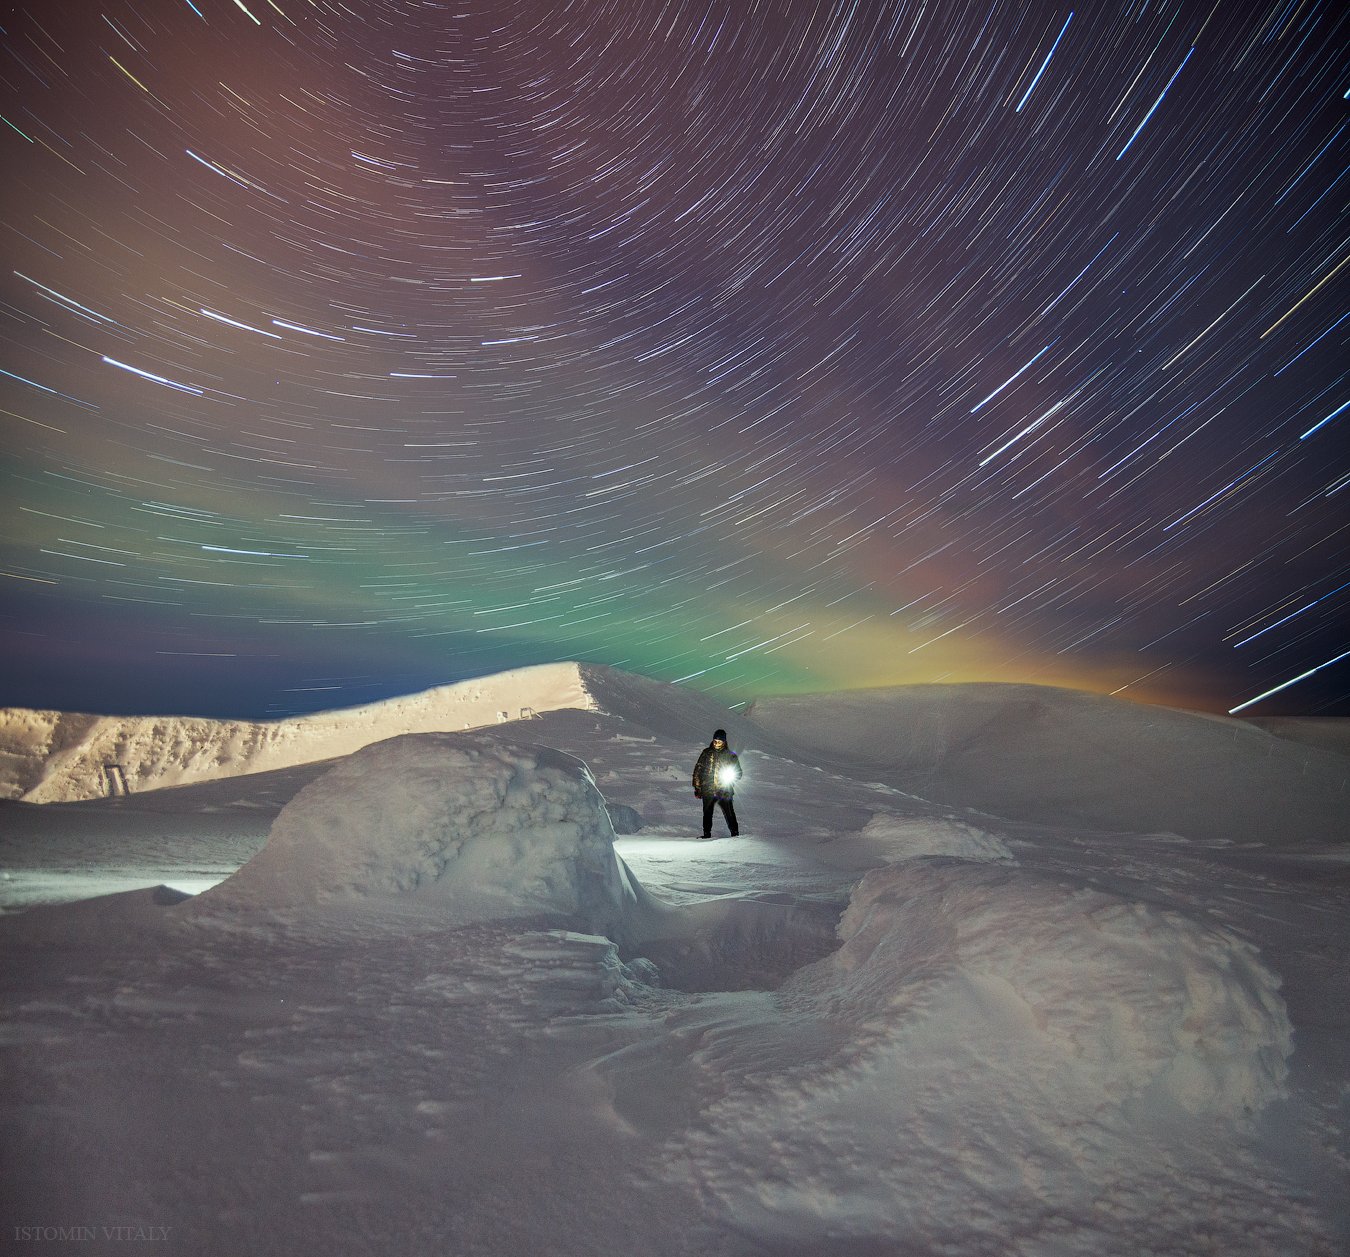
1122, 996
475, 826
908, 837
1029, 1043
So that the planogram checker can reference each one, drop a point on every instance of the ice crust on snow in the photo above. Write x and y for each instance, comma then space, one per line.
474, 825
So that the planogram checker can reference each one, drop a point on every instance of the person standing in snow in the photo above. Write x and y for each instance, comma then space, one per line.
715, 777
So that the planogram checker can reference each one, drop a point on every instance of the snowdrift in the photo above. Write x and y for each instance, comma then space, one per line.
896, 837
1063, 757
989, 1046
50, 757
1103, 995
475, 826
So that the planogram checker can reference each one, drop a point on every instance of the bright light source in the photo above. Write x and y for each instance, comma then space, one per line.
726, 775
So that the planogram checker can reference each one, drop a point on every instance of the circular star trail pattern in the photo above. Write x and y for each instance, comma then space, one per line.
353, 348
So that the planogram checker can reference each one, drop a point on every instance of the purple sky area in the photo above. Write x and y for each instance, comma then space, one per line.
353, 348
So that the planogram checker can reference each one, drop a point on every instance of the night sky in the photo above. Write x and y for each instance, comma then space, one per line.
352, 348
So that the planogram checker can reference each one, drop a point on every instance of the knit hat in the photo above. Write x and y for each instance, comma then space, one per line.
719, 735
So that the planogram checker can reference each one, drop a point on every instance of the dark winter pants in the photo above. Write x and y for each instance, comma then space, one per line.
728, 812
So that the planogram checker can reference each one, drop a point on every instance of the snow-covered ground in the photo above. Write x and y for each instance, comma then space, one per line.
991, 970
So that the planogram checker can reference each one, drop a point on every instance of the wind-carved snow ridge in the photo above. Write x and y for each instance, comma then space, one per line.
987, 1044
48, 757
472, 825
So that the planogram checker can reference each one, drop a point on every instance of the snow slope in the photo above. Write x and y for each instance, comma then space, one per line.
1056, 756
56, 756
445, 1009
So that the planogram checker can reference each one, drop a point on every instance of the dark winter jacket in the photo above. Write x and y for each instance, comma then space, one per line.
711, 765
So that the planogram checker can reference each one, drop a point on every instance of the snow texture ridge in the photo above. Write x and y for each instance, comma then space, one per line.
475, 825
29, 738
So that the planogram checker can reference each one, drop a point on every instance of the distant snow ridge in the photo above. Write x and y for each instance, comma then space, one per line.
29, 739
49, 757
1064, 757
474, 825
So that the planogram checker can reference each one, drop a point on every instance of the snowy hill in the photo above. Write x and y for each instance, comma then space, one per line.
48, 756
1063, 757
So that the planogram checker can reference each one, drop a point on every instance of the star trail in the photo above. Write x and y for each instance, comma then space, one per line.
352, 348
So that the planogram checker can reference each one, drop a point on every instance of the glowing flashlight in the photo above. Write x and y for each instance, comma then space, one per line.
726, 775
